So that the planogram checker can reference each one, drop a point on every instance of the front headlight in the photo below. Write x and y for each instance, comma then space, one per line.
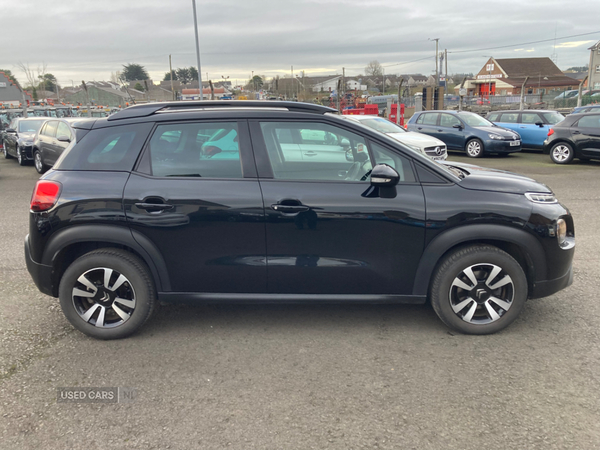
495, 136
536, 197
24, 143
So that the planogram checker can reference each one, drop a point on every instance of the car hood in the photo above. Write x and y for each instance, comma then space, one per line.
420, 139
27, 135
499, 130
485, 179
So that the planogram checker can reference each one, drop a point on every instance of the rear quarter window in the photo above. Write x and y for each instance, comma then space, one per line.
112, 148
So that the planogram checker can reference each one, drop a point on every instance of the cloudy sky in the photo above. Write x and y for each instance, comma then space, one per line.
89, 39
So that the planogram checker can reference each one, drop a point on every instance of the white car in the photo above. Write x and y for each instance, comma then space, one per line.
421, 143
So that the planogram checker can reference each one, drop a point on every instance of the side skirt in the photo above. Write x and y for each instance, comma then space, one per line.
290, 298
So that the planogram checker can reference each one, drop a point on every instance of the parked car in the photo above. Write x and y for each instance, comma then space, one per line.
585, 109
466, 131
422, 143
18, 138
130, 217
577, 136
567, 94
53, 138
532, 125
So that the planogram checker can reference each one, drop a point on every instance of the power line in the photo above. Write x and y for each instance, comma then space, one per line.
525, 43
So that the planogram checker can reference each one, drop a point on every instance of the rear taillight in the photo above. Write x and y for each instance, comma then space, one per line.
45, 195
551, 132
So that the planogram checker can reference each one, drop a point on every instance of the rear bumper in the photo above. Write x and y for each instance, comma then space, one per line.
41, 274
546, 288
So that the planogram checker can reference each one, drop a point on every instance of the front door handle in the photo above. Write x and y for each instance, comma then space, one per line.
310, 153
419, 128
289, 209
576, 132
154, 207
440, 131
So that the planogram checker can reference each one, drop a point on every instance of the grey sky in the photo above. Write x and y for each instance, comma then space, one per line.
92, 38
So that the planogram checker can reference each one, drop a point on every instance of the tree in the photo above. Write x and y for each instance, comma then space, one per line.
184, 75
168, 76
32, 79
132, 72
138, 87
374, 69
256, 82
193, 73
48, 82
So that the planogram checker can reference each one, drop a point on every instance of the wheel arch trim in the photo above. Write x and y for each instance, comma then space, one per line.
532, 249
113, 235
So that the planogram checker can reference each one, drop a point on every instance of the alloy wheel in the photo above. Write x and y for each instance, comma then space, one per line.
37, 160
561, 153
481, 293
103, 297
474, 149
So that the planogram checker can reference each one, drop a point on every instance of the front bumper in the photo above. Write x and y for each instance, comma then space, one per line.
26, 152
41, 274
549, 287
498, 146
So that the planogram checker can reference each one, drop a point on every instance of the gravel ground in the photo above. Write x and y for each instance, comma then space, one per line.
308, 376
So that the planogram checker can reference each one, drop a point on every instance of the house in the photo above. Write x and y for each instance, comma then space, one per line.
506, 77
194, 94
10, 92
594, 69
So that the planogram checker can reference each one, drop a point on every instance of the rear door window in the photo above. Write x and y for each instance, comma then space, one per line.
510, 118
591, 121
448, 120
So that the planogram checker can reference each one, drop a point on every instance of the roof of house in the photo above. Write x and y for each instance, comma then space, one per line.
523, 67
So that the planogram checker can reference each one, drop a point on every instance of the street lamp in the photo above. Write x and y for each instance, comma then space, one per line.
197, 49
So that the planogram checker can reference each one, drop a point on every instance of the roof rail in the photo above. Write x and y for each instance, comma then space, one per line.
148, 109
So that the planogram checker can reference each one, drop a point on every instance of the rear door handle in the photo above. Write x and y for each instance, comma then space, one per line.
154, 207
576, 132
289, 209
310, 153
440, 131
419, 128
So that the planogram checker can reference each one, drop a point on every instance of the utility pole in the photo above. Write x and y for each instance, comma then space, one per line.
580, 91
399, 95
24, 103
522, 104
446, 68
89, 105
171, 72
197, 49
437, 76
292, 81
382, 81
344, 80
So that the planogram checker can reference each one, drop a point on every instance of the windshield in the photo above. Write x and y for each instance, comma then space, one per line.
475, 120
382, 125
30, 126
553, 117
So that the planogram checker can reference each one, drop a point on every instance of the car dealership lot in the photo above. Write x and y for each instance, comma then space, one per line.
308, 376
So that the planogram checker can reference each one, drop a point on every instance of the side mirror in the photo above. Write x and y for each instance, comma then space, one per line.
63, 138
539, 124
11, 130
384, 175
459, 126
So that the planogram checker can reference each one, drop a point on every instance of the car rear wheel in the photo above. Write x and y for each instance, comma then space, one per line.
561, 153
39, 163
474, 148
479, 290
107, 294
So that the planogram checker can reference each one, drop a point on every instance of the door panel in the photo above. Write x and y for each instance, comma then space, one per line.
206, 219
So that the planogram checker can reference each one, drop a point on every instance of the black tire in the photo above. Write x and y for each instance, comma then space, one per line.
20, 159
468, 310
474, 148
107, 313
38, 162
5, 151
561, 153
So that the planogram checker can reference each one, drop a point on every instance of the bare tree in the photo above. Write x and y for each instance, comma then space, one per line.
32, 77
374, 69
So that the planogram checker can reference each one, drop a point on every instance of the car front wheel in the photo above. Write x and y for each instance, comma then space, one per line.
474, 148
39, 163
107, 293
20, 159
561, 153
478, 290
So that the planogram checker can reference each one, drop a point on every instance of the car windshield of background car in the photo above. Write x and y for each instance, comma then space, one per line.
382, 125
476, 121
30, 126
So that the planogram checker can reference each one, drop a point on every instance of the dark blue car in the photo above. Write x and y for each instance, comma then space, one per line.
466, 131
588, 108
532, 125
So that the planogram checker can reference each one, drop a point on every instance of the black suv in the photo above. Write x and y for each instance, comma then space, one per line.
221, 201
578, 136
